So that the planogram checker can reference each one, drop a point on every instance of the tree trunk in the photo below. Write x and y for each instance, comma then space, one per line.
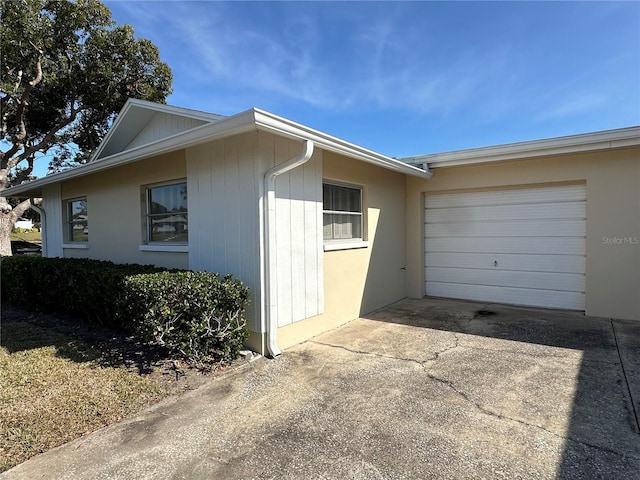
8, 218
7, 221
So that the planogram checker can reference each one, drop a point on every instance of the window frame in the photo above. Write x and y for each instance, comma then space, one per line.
346, 243
70, 223
157, 245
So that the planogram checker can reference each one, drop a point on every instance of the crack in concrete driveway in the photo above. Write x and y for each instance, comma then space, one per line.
421, 389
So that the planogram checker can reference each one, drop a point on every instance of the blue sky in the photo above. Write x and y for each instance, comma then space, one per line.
405, 78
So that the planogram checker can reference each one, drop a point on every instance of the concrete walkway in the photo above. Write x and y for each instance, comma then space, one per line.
424, 389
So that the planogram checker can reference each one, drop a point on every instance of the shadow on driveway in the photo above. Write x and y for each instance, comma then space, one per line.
424, 389
602, 430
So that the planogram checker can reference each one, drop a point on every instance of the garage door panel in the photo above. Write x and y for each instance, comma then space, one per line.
483, 293
533, 211
529, 262
550, 228
568, 193
525, 246
569, 246
568, 282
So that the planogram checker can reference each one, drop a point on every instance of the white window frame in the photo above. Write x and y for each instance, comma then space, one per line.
147, 243
346, 243
69, 223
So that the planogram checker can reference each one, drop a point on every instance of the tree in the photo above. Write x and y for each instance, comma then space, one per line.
66, 69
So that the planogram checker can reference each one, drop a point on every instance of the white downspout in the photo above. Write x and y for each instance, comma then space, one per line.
43, 225
270, 275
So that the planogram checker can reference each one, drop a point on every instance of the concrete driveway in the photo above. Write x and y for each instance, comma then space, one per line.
424, 389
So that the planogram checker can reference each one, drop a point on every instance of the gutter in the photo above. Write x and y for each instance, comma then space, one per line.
268, 122
43, 225
248, 121
584, 142
269, 272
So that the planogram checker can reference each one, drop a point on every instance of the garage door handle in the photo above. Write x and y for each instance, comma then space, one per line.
495, 263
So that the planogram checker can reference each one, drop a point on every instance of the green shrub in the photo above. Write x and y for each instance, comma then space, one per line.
86, 288
195, 314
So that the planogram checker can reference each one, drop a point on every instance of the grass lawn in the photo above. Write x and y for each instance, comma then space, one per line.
56, 385
31, 236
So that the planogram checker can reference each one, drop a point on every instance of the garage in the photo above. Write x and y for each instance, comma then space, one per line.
521, 246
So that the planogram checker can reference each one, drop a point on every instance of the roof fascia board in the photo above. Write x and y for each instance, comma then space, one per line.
230, 126
243, 122
272, 123
173, 110
114, 127
155, 107
605, 140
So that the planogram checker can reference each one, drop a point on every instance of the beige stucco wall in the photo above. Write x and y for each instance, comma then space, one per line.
114, 206
358, 281
613, 218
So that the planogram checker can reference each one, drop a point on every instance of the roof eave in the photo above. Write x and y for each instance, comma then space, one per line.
234, 125
253, 119
605, 140
272, 123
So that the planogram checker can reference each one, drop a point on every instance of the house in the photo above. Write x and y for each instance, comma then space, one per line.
24, 223
324, 231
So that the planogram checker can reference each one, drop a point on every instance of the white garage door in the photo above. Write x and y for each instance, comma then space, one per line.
524, 246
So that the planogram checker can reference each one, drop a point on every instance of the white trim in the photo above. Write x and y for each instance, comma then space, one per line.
272, 123
75, 246
269, 271
156, 247
586, 142
248, 121
133, 103
345, 245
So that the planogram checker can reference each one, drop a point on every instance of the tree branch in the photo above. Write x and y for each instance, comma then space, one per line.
44, 142
19, 209
38, 77
22, 103
18, 81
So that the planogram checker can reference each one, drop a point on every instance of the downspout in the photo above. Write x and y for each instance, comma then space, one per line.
43, 225
270, 275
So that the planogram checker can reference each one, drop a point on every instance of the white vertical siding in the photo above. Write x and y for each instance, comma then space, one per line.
222, 181
52, 204
163, 125
299, 237
225, 181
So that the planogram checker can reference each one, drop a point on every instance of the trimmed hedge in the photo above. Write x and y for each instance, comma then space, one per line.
196, 314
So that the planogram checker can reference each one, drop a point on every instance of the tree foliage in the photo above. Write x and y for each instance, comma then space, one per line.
66, 69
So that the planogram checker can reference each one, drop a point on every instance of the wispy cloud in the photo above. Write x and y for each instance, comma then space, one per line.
368, 57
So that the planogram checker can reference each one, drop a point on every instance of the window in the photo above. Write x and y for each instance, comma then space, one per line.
167, 213
342, 212
77, 220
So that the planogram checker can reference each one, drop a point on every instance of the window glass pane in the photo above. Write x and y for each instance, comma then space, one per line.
168, 198
167, 218
341, 227
78, 210
341, 198
77, 221
169, 228
326, 196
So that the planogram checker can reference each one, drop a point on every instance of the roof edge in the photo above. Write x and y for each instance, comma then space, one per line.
156, 107
272, 123
229, 126
253, 119
584, 142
